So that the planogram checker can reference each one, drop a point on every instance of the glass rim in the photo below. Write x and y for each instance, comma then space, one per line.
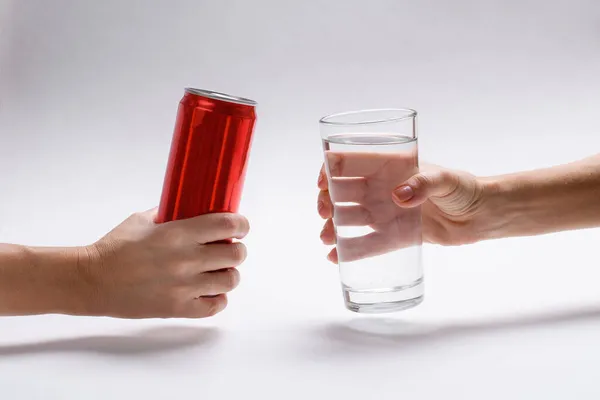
406, 113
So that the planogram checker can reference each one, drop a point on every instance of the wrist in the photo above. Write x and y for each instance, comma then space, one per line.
63, 281
507, 206
498, 212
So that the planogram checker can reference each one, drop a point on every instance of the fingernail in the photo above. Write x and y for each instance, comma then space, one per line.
404, 193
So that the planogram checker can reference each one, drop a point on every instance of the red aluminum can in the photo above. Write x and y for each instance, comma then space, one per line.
209, 155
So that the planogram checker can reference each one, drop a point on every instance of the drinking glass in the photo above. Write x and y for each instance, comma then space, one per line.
368, 154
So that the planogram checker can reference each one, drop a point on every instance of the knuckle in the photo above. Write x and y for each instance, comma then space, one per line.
327, 228
177, 268
173, 236
324, 204
232, 279
323, 196
334, 164
366, 216
141, 217
244, 225
215, 305
448, 180
363, 190
228, 222
212, 309
234, 224
445, 175
423, 180
322, 179
138, 215
238, 253
212, 286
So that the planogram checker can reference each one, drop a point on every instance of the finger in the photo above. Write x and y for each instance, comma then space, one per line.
213, 227
348, 190
204, 307
352, 216
328, 233
213, 257
370, 245
322, 182
324, 205
423, 186
333, 256
216, 282
350, 164
375, 243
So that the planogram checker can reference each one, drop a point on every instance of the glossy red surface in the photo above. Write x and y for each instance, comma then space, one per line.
208, 158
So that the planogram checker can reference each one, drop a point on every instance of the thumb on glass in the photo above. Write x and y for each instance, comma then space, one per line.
420, 187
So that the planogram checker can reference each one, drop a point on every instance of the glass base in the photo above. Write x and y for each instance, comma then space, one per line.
383, 301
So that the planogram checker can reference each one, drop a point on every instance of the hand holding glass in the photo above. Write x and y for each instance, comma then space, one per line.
368, 154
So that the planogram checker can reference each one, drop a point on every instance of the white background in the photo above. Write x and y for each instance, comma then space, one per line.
88, 94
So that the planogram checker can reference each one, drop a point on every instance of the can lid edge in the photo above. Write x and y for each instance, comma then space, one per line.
220, 96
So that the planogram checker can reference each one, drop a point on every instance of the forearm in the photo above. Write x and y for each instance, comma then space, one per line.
36, 280
560, 198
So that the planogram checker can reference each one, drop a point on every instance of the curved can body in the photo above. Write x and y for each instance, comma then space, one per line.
209, 155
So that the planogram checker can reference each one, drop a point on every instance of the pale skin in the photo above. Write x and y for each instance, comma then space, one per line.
459, 208
138, 270
363, 182
145, 270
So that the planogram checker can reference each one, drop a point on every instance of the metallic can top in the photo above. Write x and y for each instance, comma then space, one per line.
221, 96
